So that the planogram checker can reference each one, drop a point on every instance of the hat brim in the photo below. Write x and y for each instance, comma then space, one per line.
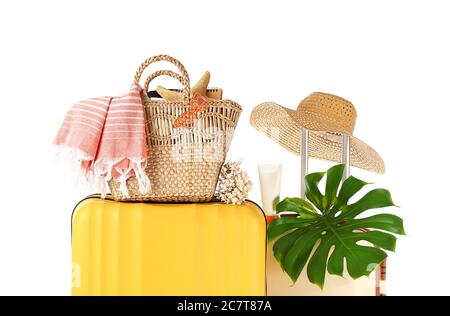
284, 125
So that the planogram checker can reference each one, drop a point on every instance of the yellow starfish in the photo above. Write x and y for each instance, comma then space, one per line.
201, 86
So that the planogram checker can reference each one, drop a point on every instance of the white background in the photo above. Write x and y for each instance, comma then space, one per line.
390, 58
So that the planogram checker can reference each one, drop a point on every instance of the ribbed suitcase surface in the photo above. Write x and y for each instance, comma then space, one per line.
168, 249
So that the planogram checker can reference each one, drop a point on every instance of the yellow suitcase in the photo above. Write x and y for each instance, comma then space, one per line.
208, 249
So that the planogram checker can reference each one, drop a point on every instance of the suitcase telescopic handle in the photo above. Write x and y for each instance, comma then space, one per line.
304, 162
183, 77
304, 158
346, 155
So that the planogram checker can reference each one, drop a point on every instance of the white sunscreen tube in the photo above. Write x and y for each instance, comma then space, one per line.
270, 184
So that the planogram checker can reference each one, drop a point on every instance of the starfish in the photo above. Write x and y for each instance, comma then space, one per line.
177, 96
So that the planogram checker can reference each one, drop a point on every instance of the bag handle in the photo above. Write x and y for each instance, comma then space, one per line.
170, 73
183, 77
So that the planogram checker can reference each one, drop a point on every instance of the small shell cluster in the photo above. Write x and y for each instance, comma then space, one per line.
234, 184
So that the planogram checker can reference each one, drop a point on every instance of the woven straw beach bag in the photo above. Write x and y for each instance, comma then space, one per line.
183, 163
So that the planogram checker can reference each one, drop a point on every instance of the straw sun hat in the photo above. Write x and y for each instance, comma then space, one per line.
327, 117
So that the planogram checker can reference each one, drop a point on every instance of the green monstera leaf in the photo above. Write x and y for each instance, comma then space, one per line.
328, 231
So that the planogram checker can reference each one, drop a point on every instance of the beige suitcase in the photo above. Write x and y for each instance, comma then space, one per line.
279, 283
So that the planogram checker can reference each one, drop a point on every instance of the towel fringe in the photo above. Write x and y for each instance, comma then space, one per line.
103, 186
74, 159
141, 176
100, 173
123, 186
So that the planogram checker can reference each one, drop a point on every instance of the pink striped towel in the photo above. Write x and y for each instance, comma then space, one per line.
106, 137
